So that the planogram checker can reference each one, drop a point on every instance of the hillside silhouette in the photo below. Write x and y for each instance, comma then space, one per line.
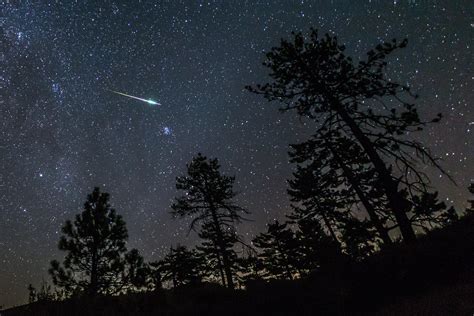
432, 277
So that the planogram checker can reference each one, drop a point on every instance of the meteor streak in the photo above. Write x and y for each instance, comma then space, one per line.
151, 102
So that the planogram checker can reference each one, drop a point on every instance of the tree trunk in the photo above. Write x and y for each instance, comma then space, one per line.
175, 282
395, 200
219, 264
94, 277
228, 271
220, 242
368, 206
331, 230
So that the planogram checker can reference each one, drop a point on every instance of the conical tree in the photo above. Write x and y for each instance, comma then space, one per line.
279, 251
316, 249
358, 239
314, 77
316, 196
96, 260
208, 199
181, 266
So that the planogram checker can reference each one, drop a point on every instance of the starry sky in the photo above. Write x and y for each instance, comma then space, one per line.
62, 132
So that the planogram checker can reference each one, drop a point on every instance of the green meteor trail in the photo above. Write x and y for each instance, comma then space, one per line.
151, 102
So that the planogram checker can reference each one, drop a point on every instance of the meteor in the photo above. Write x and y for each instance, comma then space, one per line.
149, 101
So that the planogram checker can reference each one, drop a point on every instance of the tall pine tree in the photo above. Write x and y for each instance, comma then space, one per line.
181, 266
279, 251
208, 200
97, 261
314, 77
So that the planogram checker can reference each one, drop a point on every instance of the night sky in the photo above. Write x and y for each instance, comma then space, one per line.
62, 132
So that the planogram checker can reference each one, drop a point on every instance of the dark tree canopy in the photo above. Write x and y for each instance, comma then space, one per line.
97, 261
44, 294
208, 200
180, 266
279, 251
316, 249
359, 102
333, 178
250, 266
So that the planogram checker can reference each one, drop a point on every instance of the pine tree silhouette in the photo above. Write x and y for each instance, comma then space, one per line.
208, 201
279, 251
314, 77
180, 266
428, 212
358, 239
97, 261
249, 265
315, 247
332, 178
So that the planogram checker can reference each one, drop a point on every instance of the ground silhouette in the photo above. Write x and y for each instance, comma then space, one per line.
433, 276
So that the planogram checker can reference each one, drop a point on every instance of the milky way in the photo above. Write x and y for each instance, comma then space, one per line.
62, 132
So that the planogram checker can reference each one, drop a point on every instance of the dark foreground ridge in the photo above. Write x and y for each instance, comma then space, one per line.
433, 277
